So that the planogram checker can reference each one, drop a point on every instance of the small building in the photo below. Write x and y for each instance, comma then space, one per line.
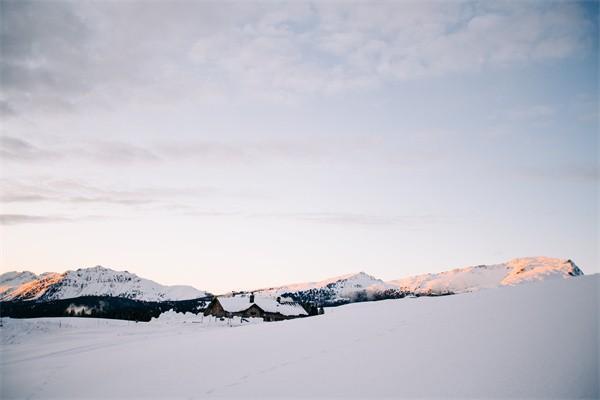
250, 306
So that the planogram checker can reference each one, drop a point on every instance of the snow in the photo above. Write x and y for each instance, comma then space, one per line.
234, 304
536, 340
538, 268
14, 284
11, 279
469, 279
96, 281
171, 317
34, 289
272, 306
27, 331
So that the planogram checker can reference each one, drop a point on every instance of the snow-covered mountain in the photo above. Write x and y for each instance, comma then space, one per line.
344, 285
336, 290
99, 281
96, 281
362, 287
513, 272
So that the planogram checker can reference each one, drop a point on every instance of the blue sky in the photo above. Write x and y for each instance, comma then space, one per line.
244, 144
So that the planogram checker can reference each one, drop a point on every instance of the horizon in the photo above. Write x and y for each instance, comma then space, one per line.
247, 144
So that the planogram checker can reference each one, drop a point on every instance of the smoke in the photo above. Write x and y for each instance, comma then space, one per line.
79, 310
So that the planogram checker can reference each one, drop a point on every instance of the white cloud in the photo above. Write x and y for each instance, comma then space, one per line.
205, 50
345, 46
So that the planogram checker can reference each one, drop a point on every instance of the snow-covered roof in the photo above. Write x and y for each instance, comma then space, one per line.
272, 306
240, 303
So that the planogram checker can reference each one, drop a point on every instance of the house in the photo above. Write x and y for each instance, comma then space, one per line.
250, 306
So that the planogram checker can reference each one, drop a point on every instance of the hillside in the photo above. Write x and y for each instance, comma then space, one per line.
537, 340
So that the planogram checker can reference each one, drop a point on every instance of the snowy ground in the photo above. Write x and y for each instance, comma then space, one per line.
535, 340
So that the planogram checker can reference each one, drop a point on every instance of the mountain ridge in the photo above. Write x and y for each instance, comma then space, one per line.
363, 287
360, 286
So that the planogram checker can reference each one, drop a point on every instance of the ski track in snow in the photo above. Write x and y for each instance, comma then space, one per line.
535, 340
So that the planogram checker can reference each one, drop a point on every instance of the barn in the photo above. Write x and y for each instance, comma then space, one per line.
250, 306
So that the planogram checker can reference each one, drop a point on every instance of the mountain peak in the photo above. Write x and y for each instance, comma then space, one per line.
363, 274
100, 268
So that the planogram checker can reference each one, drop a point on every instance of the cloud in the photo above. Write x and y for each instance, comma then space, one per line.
65, 191
174, 200
6, 110
44, 55
12, 148
19, 219
16, 219
353, 149
77, 193
349, 46
60, 55
18, 197
104, 152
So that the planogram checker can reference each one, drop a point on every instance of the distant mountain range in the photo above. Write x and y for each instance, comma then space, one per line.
100, 281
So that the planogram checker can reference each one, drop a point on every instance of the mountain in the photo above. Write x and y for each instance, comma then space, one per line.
99, 281
96, 281
344, 284
513, 272
337, 290
364, 287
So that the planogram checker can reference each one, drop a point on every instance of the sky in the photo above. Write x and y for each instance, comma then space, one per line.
239, 145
